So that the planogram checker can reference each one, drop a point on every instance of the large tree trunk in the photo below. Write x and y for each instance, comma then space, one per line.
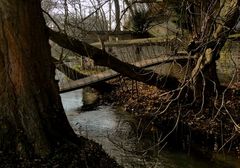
32, 117
32, 120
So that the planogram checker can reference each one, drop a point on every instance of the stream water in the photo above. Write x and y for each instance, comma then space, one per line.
113, 129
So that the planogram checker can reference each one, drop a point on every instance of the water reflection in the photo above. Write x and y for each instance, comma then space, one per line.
114, 130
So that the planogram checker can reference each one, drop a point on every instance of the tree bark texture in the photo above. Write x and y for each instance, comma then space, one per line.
32, 119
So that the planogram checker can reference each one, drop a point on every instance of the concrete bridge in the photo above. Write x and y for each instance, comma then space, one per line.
110, 74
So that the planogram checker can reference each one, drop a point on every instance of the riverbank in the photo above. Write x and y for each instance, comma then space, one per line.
208, 129
82, 153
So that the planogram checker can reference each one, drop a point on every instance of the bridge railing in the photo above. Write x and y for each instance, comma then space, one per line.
137, 49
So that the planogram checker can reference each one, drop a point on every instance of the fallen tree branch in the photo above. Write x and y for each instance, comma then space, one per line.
75, 75
103, 58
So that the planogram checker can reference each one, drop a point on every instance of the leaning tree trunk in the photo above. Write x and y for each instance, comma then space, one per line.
32, 119
217, 22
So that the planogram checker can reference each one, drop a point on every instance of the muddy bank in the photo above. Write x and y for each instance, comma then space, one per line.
208, 129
